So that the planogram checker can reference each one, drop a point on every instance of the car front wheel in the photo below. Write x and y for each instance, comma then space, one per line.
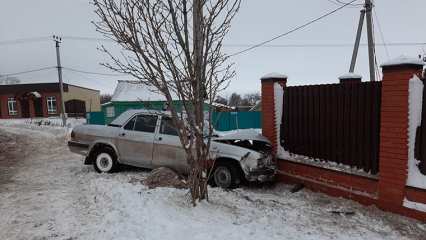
105, 162
226, 176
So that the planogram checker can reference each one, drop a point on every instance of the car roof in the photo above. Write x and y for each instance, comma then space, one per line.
122, 118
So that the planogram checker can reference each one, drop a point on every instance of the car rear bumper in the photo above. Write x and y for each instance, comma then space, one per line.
79, 148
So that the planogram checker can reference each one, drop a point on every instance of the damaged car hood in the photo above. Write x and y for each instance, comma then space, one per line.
244, 134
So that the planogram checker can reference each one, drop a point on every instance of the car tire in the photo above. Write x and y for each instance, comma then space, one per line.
105, 161
226, 175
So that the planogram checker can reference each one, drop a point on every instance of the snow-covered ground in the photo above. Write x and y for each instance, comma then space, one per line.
47, 193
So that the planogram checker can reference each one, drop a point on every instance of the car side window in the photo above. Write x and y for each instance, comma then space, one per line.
167, 127
130, 124
146, 123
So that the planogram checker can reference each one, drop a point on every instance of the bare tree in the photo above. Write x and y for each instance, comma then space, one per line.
175, 47
250, 99
221, 100
234, 100
105, 98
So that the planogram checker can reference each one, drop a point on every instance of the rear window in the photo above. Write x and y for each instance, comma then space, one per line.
167, 127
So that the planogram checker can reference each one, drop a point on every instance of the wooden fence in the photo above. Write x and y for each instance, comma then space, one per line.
337, 122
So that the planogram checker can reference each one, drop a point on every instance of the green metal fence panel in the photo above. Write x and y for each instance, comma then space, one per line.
226, 121
222, 121
96, 118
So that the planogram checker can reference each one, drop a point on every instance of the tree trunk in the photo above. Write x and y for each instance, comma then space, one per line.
198, 188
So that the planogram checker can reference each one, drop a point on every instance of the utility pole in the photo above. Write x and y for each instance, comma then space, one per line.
368, 7
357, 40
57, 41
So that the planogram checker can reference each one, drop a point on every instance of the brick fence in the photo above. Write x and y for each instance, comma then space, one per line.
388, 189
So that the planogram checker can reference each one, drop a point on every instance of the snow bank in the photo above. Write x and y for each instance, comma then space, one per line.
415, 177
128, 211
278, 104
51, 125
53, 196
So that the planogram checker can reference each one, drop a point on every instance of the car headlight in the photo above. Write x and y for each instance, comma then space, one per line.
264, 161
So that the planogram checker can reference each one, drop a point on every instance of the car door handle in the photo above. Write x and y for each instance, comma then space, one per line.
159, 138
122, 134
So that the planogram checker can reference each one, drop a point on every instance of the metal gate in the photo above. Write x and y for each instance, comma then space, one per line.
336, 122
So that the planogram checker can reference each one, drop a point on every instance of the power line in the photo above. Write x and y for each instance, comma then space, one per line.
24, 40
229, 45
82, 75
340, 4
293, 30
381, 33
25, 72
92, 73
351, 4
394, 44
91, 39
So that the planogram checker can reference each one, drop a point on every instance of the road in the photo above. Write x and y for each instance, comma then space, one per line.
47, 193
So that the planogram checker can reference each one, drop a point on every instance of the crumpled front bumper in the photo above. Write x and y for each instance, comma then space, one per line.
266, 174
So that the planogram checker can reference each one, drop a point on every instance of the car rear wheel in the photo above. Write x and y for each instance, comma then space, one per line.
226, 176
105, 161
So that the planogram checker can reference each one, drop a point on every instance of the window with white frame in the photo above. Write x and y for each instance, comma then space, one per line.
11, 106
110, 112
51, 105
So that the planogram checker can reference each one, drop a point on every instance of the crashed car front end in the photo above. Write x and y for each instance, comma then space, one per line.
255, 155
259, 166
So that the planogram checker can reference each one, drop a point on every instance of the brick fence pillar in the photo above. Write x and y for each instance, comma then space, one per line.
268, 106
393, 158
350, 78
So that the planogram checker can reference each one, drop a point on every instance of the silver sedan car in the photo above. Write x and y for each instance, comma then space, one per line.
148, 139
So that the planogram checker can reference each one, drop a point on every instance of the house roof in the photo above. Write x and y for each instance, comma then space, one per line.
134, 91
12, 82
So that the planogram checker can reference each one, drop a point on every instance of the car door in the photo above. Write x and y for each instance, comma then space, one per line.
136, 139
168, 151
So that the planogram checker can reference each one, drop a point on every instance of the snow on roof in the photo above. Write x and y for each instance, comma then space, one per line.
216, 104
350, 76
403, 60
273, 75
134, 91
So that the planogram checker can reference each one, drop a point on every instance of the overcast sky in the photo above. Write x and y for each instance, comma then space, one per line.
258, 20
